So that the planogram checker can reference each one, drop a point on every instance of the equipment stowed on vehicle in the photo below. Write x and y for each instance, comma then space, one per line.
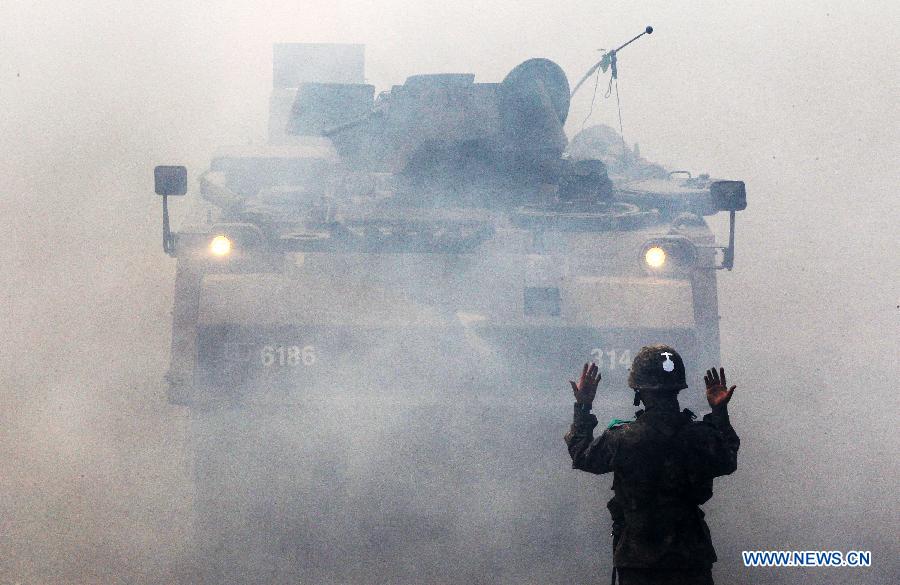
444, 221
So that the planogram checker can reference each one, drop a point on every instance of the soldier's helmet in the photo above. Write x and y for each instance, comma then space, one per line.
657, 367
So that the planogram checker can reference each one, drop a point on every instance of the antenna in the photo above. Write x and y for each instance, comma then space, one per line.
608, 61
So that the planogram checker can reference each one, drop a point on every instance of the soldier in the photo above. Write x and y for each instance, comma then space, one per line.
663, 466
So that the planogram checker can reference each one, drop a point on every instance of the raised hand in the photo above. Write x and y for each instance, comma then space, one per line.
717, 391
586, 387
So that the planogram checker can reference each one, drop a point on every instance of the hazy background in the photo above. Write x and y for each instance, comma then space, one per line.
800, 102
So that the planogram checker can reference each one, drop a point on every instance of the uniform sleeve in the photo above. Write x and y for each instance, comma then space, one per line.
721, 446
589, 454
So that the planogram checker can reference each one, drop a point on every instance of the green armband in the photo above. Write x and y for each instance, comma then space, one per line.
617, 421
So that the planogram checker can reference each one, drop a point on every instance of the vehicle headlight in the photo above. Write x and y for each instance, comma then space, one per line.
655, 257
668, 255
220, 246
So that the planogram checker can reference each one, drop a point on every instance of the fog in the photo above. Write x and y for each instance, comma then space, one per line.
96, 480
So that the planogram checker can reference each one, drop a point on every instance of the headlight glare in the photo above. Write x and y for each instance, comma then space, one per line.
220, 246
655, 257
669, 256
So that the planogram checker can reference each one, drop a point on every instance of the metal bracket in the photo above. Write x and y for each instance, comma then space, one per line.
727, 251
728, 257
168, 239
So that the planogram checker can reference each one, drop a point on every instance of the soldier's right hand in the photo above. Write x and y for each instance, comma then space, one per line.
586, 387
717, 391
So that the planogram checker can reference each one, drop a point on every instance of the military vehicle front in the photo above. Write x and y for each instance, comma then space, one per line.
388, 275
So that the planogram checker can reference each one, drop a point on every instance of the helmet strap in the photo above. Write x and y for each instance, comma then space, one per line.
637, 397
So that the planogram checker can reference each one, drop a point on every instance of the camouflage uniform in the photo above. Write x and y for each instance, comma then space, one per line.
664, 464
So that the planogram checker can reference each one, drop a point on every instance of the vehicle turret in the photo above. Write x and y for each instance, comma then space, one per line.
442, 123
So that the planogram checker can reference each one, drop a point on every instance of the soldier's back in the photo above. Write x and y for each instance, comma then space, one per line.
661, 477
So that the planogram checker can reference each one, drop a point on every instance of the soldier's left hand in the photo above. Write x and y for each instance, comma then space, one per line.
586, 388
717, 391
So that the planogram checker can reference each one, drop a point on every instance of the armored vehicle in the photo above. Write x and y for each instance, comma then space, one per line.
377, 311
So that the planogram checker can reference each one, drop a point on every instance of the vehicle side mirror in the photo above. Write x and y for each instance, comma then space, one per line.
170, 180
728, 195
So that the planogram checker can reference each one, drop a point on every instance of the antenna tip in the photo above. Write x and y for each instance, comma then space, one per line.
649, 30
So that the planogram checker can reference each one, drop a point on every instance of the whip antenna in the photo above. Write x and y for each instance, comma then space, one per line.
609, 60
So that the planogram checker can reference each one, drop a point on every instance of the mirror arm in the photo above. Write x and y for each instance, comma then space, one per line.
168, 240
728, 254
727, 251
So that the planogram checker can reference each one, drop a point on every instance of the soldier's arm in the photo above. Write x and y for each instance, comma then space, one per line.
589, 454
722, 442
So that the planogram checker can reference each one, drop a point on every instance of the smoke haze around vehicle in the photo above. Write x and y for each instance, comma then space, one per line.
800, 102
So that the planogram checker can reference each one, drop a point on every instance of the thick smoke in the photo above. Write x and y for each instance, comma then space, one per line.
97, 474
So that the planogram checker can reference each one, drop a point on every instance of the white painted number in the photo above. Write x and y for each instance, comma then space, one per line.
287, 355
614, 358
